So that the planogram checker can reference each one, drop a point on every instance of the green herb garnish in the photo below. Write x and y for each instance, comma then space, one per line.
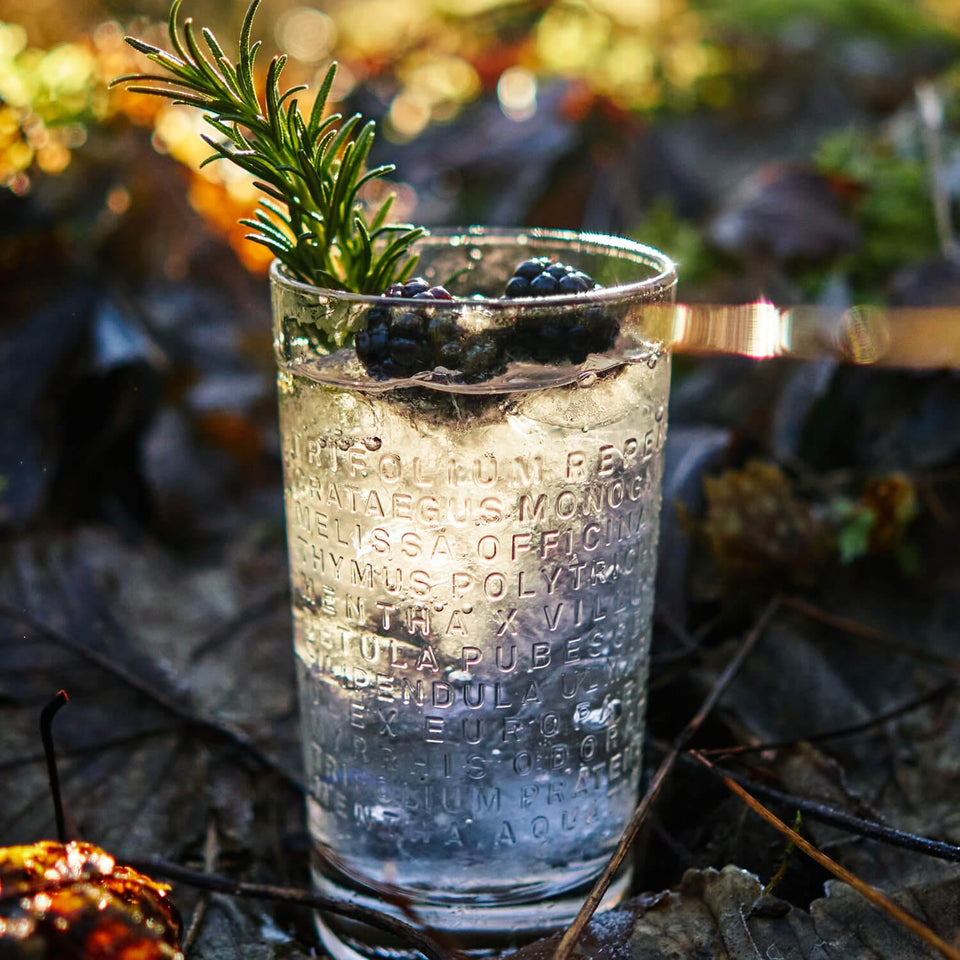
310, 169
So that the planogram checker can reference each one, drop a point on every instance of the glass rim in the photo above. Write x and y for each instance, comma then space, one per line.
591, 241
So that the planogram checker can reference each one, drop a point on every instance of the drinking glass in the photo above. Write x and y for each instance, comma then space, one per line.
472, 558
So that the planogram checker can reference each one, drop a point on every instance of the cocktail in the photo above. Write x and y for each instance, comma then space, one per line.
472, 556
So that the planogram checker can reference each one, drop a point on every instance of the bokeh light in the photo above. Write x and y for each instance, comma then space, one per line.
409, 115
381, 28
571, 38
46, 98
306, 34
517, 93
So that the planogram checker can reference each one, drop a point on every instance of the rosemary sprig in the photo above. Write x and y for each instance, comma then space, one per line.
310, 169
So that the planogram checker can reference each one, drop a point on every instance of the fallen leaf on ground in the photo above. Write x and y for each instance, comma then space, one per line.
73, 901
725, 915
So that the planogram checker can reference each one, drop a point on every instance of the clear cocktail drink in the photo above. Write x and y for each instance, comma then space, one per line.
472, 571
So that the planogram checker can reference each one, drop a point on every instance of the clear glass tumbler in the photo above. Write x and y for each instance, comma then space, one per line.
472, 560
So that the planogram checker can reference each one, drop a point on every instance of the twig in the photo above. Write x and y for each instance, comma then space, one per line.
841, 873
865, 632
572, 934
837, 732
46, 735
257, 891
211, 852
781, 871
845, 821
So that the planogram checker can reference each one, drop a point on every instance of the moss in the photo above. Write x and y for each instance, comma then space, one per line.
890, 202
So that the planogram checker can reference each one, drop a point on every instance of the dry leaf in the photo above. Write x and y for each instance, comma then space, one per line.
724, 915
74, 902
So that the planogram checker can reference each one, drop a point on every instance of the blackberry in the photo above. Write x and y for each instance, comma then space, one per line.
401, 343
556, 335
543, 277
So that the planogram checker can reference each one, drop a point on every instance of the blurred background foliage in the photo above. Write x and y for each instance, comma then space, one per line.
699, 125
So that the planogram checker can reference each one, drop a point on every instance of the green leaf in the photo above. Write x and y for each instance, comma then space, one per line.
312, 179
227, 69
856, 524
381, 270
274, 115
177, 96
211, 40
280, 249
263, 224
248, 53
366, 249
407, 270
293, 114
291, 91
173, 31
327, 126
138, 77
275, 210
270, 191
160, 57
200, 62
320, 102
340, 137
376, 225
141, 46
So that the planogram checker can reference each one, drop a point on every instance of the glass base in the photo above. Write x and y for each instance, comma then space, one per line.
473, 929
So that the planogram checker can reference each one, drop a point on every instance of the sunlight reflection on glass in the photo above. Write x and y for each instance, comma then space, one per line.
905, 337
758, 329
